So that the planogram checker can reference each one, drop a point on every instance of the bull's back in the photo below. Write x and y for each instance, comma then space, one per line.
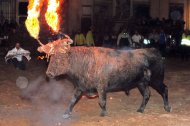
103, 65
153, 57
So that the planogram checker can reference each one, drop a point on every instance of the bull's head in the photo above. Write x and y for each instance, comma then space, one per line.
58, 65
58, 46
59, 58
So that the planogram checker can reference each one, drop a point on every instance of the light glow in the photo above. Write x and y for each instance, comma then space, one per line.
185, 42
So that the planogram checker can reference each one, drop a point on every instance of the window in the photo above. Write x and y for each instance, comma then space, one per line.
23, 8
141, 10
22, 11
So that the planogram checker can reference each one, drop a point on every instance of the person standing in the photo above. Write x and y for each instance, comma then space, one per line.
79, 39
16, 57
106, 41
162, 43
90, 38
185, 46
137, 39
123, 39
154, 38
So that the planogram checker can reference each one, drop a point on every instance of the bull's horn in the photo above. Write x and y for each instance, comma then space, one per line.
67, 36
70, 41
40, 42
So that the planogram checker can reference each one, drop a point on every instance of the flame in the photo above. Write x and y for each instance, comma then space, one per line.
51, 15
41, 57
32, 22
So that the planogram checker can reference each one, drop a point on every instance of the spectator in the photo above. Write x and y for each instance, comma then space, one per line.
185, 46
90, 38
16, 57
113, 39
79, 39
107, 41
154, 38
162, 43
124, 39
137, 39
6, 27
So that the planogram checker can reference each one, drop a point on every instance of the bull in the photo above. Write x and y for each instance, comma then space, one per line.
109, 70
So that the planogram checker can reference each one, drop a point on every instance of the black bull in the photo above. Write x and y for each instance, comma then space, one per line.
108, 70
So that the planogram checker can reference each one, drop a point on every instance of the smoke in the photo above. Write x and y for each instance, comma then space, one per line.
50, 98
50, 91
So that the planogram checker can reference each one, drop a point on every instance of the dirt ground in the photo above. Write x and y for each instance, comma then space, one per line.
16, 111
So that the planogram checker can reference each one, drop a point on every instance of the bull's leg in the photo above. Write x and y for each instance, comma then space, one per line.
102, 101
163, 91
145, 92
144, 89
74, 100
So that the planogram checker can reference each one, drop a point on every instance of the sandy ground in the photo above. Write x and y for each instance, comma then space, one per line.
44, 110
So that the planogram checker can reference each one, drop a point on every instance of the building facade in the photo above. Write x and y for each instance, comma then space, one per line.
121, 10
7, 9
83, 13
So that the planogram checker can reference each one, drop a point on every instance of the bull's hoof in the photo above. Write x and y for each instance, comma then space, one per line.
67, 116
168, 108
140, 110
103, 114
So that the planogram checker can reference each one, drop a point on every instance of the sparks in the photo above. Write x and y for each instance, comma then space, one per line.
51, 15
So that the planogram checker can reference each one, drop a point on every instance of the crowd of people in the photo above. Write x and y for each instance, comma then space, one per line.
165, 35
10, 33
140, 33
6, 27
81, 39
